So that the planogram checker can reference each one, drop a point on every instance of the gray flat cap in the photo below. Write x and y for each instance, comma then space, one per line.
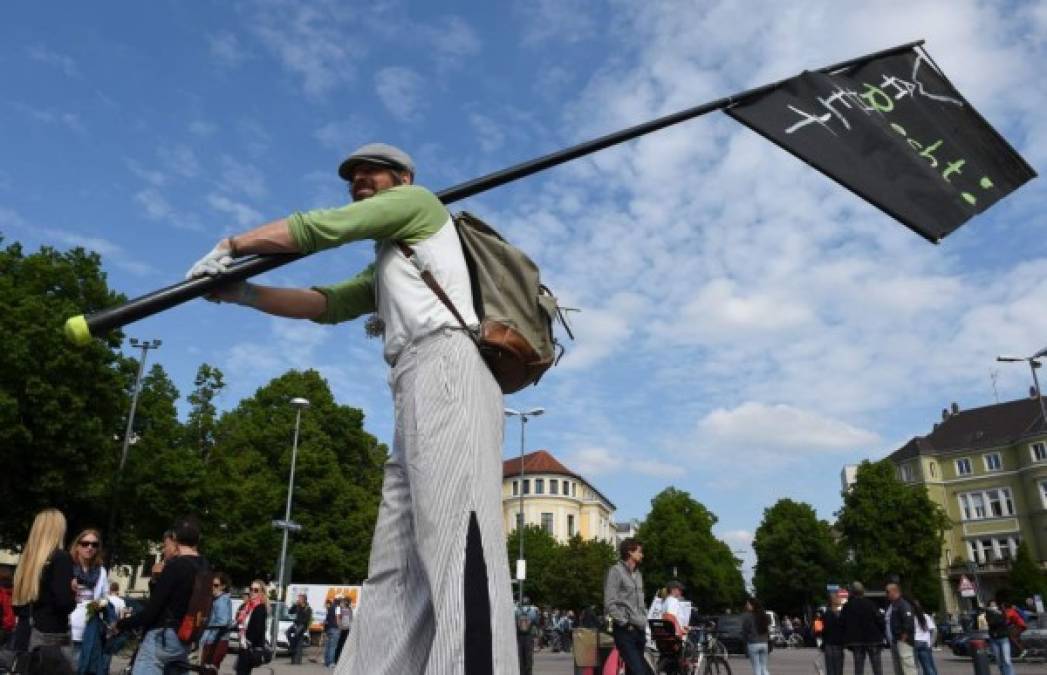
376, 153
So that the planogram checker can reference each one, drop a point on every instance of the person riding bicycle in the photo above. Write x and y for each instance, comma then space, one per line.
674, 608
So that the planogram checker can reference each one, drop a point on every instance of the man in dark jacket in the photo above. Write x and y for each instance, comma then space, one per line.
303, 618
832, 637
900, 629
862, 630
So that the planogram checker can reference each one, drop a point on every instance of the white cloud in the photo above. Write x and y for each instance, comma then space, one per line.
345, 135
242, 214
155, 204
400, 89
226, 49
242, 178
772, 429
556, 20
202, 128
599, 461
488, 133
52, 58
179, 158
70, 120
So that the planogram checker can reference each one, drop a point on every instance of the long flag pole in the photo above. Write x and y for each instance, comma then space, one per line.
80, 329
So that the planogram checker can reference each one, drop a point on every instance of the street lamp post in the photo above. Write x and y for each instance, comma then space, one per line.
1033, 365
145, 346
533, 412
286, 525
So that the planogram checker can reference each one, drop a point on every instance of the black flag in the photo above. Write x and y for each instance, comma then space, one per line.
897, 133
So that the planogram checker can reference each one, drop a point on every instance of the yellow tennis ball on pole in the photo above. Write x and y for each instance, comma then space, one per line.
76, 330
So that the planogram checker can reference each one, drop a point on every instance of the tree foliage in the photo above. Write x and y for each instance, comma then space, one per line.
891, 528
796, 556
61, 407
1026, 578
567, 576
338, 477
677, 534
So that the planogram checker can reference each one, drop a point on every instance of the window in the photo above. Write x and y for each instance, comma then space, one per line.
554, 486
934, 470
1043, 492
570, 524
547, 522
574, 489
527, 486
516, 488
907, 473
1039, 451
992, 549
539, 486
993, 462
991, 503
963, 467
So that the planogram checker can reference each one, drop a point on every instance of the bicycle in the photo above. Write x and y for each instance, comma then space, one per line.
701, 653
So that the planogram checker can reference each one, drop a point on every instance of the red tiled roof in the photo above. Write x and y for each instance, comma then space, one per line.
539, 461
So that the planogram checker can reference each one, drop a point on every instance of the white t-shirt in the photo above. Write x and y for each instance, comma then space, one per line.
921, 635
679, 608
78, 618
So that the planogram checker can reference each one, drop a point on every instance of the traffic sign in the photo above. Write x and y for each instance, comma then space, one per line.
843, 594
289, 525
967, 589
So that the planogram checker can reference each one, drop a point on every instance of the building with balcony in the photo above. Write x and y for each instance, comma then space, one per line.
987, 467
559, 500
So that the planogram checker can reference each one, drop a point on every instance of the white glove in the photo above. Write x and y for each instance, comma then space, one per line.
213, 263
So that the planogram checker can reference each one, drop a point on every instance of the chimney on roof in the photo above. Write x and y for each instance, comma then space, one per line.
955, 408
945, 414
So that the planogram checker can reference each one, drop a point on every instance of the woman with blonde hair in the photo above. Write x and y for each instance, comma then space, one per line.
92, 582
43, 588
251, 619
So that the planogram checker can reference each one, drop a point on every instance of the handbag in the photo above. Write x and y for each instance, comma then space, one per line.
259, 655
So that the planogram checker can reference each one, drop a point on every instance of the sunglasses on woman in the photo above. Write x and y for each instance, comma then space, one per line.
256, 590
89, 544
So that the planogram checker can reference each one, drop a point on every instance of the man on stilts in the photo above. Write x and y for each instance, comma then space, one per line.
438, 596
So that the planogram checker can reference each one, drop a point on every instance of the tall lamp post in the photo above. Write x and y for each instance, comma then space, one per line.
286, 525
520, 569
145, 346
1033, 365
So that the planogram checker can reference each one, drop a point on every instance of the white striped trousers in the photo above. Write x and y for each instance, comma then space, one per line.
425, 608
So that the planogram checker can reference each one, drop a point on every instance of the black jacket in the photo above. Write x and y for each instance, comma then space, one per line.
862, 623
832, 633
902, 621
56, 598
169, 598
255, 632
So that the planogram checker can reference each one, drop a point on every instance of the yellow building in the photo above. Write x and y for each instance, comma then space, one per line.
559, 500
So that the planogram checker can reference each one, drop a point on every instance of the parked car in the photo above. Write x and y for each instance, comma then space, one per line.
729, 632
961, 644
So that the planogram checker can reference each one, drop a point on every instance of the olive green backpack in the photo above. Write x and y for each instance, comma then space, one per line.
516, 311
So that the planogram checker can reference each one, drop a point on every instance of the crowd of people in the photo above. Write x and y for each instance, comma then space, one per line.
60, 613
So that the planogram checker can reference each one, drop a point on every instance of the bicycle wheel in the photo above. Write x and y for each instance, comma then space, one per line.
717, 665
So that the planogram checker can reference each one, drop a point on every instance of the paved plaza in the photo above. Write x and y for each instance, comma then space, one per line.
783, 662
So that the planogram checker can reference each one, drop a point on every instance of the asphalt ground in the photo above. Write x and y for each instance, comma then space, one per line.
782, 662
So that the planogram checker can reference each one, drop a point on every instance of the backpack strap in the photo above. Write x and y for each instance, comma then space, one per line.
432, 283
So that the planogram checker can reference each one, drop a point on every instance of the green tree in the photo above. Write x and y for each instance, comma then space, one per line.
891, 528
581, 568
677, 534
338, 479
1026, 577
543, 561
60, 406
203, 416
163, 478
796, 556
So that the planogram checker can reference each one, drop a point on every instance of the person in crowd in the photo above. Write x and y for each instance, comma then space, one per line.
7, 611
832, 636
756, 628
999, 637
118, 603
787, 627
924, 631
214, 642
526, 626
900, 631
91, 579
589, 619
250, 620
303, 618
1016, 625
168, 602
623, 602
168, 550
863, 630
817, 626
331, 631
44, 591
345, 624
673, 608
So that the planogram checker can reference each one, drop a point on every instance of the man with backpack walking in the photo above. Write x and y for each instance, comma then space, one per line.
176, 613
999, 637
526, 623
440, 520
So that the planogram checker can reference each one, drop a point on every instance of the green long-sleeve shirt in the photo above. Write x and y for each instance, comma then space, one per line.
407, 213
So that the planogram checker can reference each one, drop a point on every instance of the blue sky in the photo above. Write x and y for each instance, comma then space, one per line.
747, 327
